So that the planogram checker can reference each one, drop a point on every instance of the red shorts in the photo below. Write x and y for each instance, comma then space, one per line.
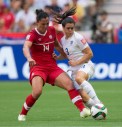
47, 74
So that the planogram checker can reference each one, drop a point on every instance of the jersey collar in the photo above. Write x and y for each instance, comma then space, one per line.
40, 33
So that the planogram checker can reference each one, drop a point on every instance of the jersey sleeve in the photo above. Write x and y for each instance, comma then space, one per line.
53, 32
30, 37
81, 41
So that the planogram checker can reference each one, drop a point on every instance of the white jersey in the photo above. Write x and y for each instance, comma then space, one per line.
73, 47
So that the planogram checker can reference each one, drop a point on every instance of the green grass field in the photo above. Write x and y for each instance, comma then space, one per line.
54, 109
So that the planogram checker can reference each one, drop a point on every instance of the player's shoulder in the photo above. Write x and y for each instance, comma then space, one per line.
51, 28
31, 34
78, 36
63, 38
80, 39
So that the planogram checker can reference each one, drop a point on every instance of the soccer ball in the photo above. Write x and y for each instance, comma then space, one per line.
98, 111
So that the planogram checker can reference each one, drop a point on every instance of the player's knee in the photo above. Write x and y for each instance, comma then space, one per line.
69, 85
79, 79
37, 93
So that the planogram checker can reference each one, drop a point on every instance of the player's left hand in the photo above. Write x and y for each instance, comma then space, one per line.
73, 63
55, 56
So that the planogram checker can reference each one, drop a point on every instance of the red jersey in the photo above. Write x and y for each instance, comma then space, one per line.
41, 51
9, 19
42, 46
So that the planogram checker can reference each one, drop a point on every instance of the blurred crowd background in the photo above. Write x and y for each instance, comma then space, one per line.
100, 21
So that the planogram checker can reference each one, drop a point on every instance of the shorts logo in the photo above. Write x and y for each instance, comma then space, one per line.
50, 37
32, 74
83, 66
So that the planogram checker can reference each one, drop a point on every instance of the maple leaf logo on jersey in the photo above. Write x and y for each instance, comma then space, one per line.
83, 41
50, 37
39, 39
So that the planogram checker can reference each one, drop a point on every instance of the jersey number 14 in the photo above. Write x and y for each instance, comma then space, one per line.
46, 48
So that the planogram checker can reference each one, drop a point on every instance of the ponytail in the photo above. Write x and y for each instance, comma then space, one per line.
38, 11
40, 14
60, 17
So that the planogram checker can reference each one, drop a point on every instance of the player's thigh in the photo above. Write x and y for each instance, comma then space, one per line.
84, 73
64, 81
88, 68
37, 85
81, 76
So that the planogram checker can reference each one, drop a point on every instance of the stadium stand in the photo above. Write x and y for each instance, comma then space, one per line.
85, 24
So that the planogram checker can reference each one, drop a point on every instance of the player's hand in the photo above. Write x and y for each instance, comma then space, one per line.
72, 63
55, 56
31, 62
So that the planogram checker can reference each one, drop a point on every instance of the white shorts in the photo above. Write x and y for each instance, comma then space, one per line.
88, 68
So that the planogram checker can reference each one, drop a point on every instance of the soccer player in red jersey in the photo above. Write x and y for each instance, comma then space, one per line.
38, 49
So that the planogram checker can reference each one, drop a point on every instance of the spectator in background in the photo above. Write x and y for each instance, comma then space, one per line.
80, 13
104, 32
6, 2
67, 7
90, 19
20, 27
62, 3
55, 7
2, 26
26, 16
1, 8
100, 3
48, 9
15, 6
7, 18
37, 4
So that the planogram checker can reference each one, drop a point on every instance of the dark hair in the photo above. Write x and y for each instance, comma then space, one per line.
103, 12
41, 14
67, 20
60, 17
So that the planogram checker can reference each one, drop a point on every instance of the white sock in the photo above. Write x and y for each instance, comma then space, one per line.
90, 91
90, 103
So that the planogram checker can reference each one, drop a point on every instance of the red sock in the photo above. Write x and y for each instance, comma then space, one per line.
76, 99
28, 104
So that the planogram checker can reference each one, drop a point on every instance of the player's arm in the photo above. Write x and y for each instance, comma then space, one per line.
60, 50
86, 57
26, 52
88, 54
58, 57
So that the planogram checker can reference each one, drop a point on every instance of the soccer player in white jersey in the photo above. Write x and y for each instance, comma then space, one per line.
79, 54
